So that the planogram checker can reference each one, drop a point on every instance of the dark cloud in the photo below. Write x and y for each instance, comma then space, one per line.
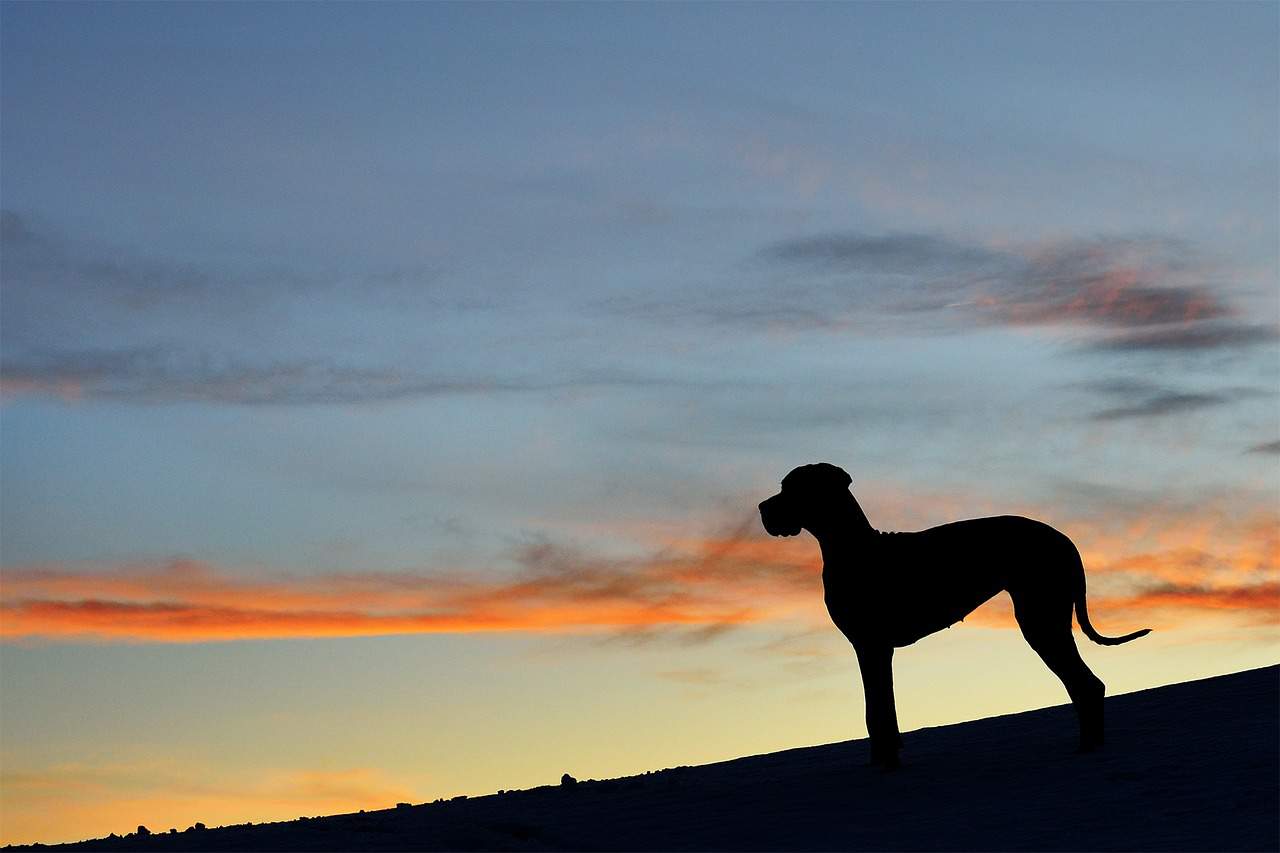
1191, 338
758, 308
907, 254
1269, 447
1161, 405
1122, 387
1139, 398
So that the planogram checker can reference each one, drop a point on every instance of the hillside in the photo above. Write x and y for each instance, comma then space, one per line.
1192, 766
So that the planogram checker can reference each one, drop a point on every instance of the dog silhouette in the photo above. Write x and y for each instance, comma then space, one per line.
887, 590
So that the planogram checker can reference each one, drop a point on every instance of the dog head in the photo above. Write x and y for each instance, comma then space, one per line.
808, 496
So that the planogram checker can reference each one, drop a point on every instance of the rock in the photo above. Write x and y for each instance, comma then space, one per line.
568, 781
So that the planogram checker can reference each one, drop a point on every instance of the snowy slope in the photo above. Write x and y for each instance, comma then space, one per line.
1192, 766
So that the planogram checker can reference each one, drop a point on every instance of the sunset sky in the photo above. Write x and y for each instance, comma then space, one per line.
386, 391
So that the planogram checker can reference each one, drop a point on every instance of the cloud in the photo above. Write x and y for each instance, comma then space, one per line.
1163, 606
1191, 338
152, 375
1260, 600
1269, 447
908, 254
42, 265
1160, 405
689, 589
1105, 283
1143, 399
82, 321
1116, 282
1113, 282
697, 588
158, 375
1136, 293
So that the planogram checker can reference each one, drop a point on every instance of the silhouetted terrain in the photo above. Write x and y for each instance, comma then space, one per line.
1192, 766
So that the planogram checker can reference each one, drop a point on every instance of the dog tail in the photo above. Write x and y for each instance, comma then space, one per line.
1082, 616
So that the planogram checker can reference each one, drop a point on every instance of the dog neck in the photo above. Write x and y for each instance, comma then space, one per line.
845, 530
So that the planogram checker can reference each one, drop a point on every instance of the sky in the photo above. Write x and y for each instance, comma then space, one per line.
386, 392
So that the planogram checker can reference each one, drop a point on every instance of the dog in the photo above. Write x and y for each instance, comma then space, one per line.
887, 590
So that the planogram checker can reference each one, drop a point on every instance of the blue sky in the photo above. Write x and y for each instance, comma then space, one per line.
321, 306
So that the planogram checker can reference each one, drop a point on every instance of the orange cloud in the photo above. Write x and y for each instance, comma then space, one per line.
1261, 600
1117, 283
1117, 297
694, 587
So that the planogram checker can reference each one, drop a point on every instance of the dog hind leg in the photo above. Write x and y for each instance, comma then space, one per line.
1047, 629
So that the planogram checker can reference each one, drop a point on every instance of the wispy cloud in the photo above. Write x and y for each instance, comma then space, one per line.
907, 254
82, 321
1118, 283
39, 259
1268, 447
174, 375
1104, 283
1191, 338
1134, 293
691, 589
1161, 404
698, 588
1263, 599
1143, 399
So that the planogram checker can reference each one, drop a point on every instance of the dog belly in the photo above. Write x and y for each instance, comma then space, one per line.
901, 615
920, 618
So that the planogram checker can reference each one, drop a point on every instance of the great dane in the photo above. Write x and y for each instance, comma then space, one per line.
887, 590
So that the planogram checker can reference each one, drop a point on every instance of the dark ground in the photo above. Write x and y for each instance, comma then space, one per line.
1193, 766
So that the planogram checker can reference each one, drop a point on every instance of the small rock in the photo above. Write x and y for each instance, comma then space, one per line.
568, 781
142, 830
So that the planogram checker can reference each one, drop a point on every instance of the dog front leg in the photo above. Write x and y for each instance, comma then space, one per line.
876, 663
